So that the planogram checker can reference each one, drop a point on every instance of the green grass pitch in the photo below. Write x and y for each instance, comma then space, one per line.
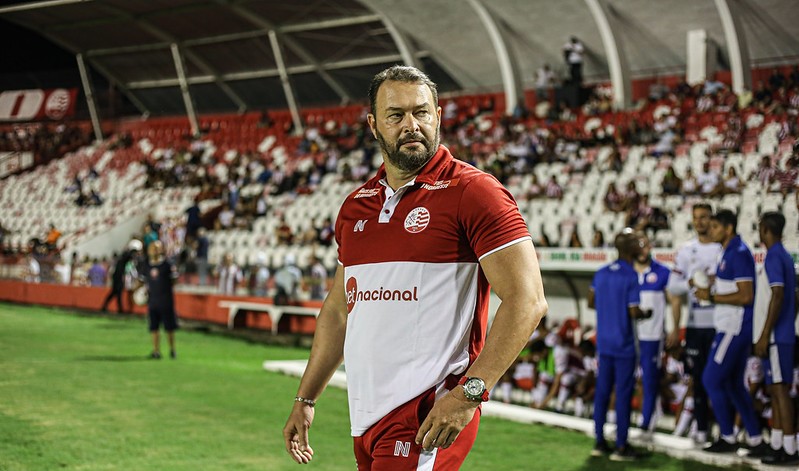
76, 393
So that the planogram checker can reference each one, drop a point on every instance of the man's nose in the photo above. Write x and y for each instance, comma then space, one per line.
409, 123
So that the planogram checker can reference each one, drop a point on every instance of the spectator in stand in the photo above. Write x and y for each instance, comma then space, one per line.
631, 196
573, 54
287, 281
732, 183
283, 233
317, 279
193, 220
745, 98
97, 273
150, 234
690, 186
708, 180
574, 240
787, 177
544, 80
535, 190
765, 173
615, 294
33, 270
229, 275
775, 301
733, 296
614, 200
262, 204
261, 276
553, 189
640, 216
598, 241
671, 183
51, 240
224, 219
326, 233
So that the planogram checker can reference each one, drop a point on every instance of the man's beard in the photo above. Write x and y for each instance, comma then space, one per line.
644, 260
409, 161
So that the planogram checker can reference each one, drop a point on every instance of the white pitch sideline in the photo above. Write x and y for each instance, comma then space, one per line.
676, 447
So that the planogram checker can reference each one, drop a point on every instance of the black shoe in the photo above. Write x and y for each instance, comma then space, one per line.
721, 446
172, 354
760, 451
601, 449
780, 458
155, 356
626, 453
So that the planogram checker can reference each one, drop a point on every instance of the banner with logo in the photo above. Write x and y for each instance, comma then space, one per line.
590, 260
37, 104
13, 162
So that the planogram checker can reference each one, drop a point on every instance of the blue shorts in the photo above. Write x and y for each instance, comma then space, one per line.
779, 363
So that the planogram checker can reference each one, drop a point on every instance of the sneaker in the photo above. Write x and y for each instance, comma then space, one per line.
155, 356
759, 451
700, 439
601, 449
780, 458
647, 436
173, 354
626, 453
721, 446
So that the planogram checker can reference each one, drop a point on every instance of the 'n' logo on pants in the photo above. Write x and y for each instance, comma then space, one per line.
402, 448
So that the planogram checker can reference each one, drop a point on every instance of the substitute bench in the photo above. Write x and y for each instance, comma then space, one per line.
275, 312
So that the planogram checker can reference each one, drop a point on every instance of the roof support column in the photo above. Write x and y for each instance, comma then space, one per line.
184, 90
730, 15
284, 80
617, 61
508, 68
88, 90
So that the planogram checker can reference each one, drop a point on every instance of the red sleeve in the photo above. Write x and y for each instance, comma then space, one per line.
337, 234
489, 216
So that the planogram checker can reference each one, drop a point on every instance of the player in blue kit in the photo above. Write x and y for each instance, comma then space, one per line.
653, 279
615, 294
775, 301
733, 295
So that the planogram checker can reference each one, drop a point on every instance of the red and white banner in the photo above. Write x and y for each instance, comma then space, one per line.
37, 104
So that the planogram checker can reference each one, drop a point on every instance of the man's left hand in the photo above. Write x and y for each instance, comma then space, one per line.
451, 414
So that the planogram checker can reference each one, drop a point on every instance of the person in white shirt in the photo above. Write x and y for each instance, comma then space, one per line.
653, 278
544, 79
697, 255
229, 275
708, 180
573, 53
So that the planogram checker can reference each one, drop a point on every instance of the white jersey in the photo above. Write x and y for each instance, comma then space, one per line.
653, 284
694, 256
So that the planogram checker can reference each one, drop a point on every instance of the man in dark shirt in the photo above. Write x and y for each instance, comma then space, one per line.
118, 277
159, 274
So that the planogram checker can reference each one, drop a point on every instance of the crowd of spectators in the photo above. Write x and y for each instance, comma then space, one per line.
46, 141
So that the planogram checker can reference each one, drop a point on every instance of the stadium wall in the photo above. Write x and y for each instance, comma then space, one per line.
190, 306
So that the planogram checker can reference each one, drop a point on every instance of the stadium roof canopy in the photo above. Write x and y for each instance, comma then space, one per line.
240, 55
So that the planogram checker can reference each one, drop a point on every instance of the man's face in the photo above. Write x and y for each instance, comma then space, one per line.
761, 230
406, 124
644, 250
717, 231
701, 221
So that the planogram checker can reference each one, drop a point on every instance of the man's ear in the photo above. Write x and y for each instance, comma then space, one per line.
372, 122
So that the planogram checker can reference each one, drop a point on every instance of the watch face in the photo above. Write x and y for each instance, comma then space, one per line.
474, 387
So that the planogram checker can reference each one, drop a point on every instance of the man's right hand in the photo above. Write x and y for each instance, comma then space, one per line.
295, 433
673, 340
